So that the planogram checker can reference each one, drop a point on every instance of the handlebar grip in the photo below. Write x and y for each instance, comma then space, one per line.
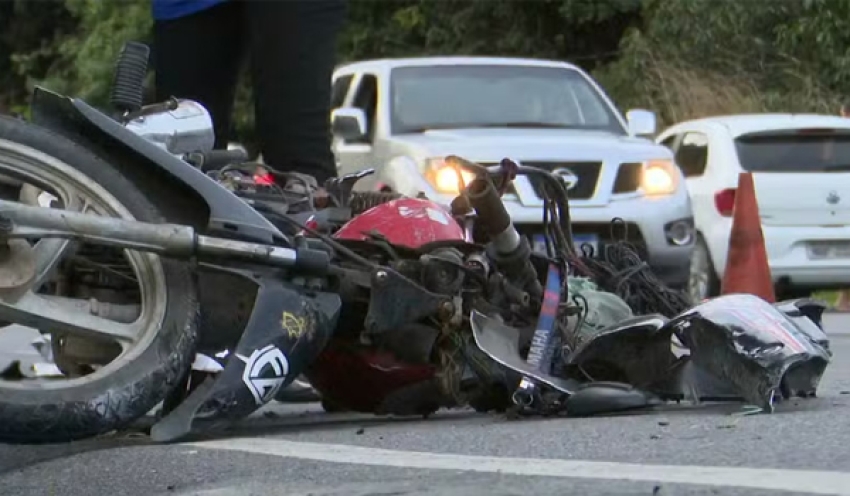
493, 217
128, 82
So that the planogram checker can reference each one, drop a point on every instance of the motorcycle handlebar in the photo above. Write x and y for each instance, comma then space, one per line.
509, 167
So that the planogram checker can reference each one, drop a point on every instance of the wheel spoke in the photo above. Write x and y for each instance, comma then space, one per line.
49, 253
44, 314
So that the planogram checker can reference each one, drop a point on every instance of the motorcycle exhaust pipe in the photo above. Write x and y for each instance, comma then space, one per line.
510, 251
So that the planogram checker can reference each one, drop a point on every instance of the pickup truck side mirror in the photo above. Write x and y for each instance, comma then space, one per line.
641, 122
348, 123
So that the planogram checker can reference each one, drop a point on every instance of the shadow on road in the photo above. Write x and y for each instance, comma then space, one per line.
271, 423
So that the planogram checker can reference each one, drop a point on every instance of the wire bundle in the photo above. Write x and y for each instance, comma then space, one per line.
620, 270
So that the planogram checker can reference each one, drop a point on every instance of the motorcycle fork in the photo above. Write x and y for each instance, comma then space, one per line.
19, 221
542, 350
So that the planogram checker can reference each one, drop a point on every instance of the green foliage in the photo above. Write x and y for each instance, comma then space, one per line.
682, 58
564, 29
27, 48
699, 57
82, 61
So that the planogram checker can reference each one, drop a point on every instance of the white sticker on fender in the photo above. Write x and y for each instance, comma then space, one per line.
265, 371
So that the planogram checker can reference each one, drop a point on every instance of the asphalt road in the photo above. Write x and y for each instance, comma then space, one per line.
804, 448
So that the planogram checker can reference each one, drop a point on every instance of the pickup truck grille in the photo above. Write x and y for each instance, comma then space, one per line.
587, 173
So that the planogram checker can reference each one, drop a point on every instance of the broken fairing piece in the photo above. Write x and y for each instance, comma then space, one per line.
500, 342
33, 370
640, 346
204, 363
754, 347
44, 369
42, 345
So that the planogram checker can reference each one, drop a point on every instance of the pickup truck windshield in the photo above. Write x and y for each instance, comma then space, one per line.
817, 150
469, 96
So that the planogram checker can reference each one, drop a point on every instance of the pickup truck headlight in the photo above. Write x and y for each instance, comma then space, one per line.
445, 178
659, 177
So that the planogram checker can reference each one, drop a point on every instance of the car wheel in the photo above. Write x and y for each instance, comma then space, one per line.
702, 280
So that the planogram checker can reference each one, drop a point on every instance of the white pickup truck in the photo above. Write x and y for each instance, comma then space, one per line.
401, 116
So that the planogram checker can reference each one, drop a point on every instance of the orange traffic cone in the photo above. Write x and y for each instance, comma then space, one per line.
747, 270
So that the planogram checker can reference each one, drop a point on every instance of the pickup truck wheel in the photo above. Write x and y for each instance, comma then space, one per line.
702, 281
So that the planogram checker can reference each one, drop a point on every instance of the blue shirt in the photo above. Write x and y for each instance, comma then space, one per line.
164, 10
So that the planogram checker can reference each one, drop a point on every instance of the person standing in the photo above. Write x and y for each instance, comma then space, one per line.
198, 52
199, 49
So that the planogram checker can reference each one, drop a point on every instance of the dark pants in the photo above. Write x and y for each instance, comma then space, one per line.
291, 47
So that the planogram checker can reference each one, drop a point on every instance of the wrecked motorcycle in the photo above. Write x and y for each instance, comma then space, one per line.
168, 272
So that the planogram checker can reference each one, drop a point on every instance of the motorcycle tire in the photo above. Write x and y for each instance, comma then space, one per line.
144, 377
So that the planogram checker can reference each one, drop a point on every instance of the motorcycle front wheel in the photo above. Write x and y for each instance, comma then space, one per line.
121, 325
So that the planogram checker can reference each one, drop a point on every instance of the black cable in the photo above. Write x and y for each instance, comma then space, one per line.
558, 192
339, 247
620, 270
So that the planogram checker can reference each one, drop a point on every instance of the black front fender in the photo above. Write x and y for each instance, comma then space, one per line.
288, 328
187, 194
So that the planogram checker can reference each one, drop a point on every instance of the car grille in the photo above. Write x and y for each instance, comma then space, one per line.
627, 179
584, 188
587, 173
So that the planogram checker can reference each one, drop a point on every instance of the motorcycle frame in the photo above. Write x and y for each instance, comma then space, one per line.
207, 225
232, 245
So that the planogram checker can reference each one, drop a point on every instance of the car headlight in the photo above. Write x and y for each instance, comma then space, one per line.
445, 178
659, 177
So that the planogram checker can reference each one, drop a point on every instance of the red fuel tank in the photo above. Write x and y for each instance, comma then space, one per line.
409, 222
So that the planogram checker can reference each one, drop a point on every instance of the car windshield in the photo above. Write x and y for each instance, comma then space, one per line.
796, 150
464, 96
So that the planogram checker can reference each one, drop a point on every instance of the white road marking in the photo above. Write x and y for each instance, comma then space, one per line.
805, 481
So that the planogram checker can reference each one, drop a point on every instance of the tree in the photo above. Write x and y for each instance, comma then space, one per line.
28, 36
683, 58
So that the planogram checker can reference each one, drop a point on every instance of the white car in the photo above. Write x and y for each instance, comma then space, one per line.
402, 116
801, 169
